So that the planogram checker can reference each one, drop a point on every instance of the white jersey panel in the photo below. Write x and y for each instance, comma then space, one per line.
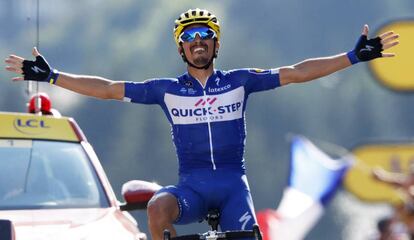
202, 109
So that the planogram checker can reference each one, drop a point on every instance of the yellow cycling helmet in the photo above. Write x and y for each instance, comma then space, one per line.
195, 16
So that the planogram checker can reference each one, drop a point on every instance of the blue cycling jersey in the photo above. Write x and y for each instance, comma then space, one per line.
208, 123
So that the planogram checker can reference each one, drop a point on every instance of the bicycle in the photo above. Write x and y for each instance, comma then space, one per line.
137, 193
212, 219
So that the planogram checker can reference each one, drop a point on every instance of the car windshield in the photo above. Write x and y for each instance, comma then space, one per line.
47, 174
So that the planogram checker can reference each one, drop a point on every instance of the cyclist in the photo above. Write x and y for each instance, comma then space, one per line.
205, 108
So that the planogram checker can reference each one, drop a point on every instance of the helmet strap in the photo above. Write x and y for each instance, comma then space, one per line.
205, 66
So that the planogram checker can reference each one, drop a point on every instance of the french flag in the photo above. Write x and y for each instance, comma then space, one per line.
314, 177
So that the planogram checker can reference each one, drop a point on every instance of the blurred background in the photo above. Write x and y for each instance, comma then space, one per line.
132, 40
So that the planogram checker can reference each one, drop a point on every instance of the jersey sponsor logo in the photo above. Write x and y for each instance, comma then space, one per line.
220, 89
188, 84
183, 90
190, 91
203, 102
202, 109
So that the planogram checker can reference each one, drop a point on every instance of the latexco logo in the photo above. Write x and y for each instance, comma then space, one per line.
206, 109
219, 89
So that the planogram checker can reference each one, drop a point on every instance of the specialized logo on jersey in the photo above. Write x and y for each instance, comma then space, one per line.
202, 109
217, 80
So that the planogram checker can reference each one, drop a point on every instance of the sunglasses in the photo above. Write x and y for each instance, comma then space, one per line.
203, 32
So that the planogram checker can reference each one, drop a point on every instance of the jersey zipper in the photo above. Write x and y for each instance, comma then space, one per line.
210, 137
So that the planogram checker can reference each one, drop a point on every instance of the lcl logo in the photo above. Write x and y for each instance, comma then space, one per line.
30, 126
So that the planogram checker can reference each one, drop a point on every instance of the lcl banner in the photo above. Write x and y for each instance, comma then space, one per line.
397, 73
375, 165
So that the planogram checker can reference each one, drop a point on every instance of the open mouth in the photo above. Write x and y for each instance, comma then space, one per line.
199, 49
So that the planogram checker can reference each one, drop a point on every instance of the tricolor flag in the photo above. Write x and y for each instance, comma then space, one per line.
314, 177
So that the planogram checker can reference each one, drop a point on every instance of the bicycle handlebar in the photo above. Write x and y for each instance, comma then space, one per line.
217, 236
228, 235
213, 234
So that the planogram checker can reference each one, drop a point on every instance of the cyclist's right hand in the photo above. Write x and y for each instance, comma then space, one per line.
38, 70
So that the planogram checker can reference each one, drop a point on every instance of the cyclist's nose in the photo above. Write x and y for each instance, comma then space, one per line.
197, 38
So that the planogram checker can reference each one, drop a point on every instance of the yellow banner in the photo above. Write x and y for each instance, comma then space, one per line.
29, 126
396, 72
393, 158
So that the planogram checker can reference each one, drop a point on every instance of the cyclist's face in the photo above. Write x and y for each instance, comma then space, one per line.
199, 52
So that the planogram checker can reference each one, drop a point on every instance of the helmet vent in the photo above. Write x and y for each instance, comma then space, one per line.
202, 19
187, 21
187, 15
194, 12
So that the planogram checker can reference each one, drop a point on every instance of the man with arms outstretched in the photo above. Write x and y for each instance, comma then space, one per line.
205, 108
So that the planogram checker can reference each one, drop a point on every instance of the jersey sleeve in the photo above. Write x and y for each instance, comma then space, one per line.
256, 80
148, 92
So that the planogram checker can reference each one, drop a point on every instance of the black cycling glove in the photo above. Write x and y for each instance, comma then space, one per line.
366, 49
39, 70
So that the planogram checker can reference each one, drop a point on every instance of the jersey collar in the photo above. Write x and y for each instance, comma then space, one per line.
190, 81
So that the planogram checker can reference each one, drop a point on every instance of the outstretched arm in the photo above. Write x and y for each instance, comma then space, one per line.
40, 70
365, 50
92, 86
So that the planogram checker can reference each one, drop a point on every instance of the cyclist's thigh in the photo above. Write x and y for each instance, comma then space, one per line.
238, 211
192, 207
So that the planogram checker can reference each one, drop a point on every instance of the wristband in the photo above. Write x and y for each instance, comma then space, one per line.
352, 57
53, 76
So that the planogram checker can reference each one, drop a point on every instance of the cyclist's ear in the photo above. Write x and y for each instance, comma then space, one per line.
181, 52
217, 48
